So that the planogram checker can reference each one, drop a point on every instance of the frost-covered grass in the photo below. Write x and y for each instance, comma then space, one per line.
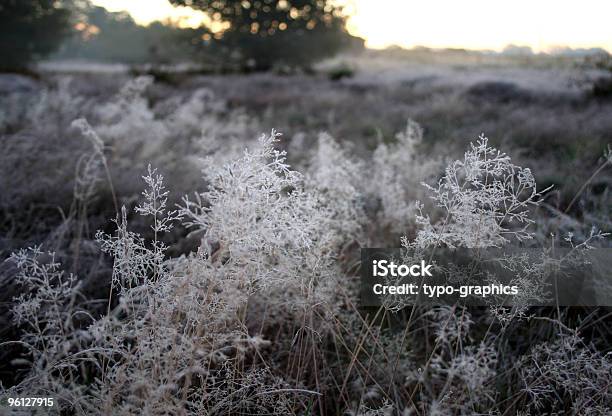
166, 261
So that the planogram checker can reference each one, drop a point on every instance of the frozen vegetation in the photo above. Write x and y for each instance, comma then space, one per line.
163, 256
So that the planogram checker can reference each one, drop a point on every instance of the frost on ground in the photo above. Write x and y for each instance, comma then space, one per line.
234, 291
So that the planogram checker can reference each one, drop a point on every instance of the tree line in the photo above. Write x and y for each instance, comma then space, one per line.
241, 34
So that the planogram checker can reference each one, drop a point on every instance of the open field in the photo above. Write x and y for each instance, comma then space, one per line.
245, 299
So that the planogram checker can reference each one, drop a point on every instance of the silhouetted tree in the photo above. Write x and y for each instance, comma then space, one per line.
260, 33
30, 29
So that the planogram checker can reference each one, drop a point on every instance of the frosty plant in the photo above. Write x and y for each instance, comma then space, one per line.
134, 261
91, 165
128, 123
398, 172
260, 318
256, 213
485, 201
47, 313
335, 177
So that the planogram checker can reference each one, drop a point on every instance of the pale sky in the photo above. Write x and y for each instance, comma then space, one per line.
470, 24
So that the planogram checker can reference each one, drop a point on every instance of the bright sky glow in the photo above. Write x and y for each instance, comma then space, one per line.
147, 11
470, 24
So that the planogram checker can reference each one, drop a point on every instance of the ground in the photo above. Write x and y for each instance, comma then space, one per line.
61, 181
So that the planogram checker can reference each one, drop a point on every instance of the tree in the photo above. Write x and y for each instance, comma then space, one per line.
30, 29
260, 33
